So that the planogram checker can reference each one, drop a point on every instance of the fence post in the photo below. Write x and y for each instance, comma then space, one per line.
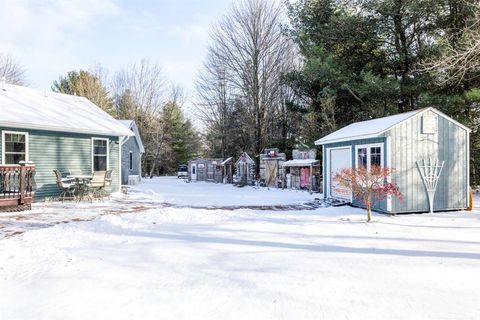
22, 182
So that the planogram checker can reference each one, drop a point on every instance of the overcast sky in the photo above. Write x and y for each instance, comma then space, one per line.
51, 37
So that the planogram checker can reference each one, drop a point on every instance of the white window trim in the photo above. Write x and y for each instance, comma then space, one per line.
130, 160
327, 170
108, 152
27, 158
368, 146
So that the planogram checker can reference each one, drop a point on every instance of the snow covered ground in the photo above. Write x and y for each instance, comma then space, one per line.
141, 259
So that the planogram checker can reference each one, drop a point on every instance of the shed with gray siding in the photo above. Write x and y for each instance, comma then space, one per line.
58, 131
399, 142
132, 151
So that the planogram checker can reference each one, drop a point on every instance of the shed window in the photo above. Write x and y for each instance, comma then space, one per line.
362, 157
369, 155
375, 156
100, 154
15, 146
130, 161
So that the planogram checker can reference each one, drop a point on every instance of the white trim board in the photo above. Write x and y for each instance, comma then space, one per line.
108, 152
27, 149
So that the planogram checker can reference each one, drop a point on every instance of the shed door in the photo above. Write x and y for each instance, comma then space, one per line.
339, 159
194, 172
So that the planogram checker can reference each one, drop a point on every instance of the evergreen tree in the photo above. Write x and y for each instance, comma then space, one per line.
87, 85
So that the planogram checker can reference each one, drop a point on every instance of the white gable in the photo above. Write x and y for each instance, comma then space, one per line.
131, 125
23, 107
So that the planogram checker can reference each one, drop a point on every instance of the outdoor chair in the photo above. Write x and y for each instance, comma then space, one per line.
97, 184
68, 186
108, 182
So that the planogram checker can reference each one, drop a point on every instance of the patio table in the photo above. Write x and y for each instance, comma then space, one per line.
81, 182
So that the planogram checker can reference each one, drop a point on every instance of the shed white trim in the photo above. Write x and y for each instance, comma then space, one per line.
3, 144
327, 169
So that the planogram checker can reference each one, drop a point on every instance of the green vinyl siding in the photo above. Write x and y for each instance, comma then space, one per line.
66, 152
449, 144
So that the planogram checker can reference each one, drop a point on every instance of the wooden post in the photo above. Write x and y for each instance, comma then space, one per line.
22, 182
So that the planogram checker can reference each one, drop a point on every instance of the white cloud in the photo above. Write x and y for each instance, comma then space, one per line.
43, 35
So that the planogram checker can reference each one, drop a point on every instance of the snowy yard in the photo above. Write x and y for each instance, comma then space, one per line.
176, 250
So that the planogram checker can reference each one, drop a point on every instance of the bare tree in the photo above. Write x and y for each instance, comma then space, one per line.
139, 92
11, 70
245, 65
460, 58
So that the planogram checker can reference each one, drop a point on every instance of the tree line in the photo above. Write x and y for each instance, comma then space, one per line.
285, 74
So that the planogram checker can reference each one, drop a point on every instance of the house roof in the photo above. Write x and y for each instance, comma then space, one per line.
301, 163
130, 124
32, 109
374, 128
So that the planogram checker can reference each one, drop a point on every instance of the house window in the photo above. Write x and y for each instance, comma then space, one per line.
130, 161
15, 147
369, 155
100, 154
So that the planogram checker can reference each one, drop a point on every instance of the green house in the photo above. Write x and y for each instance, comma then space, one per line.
404, 142
58, 131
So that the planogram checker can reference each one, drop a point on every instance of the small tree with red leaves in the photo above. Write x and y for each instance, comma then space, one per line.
369, 185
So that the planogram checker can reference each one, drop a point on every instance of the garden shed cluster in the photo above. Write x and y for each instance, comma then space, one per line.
412, 144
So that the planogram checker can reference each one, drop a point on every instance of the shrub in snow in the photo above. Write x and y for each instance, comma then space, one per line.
368, 185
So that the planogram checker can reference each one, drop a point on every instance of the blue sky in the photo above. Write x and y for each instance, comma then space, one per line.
51, 37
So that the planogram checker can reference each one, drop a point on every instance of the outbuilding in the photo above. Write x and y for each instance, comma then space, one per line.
244, 170
303, 170
425, 148
271, 167
205, 170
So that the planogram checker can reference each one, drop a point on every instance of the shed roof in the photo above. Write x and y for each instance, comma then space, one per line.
301, 163
374, 128
244, 157
32, 109
130, 124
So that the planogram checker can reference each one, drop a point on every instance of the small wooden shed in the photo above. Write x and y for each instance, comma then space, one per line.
302, 172
205, 170
404, 142
271, 167
244, 170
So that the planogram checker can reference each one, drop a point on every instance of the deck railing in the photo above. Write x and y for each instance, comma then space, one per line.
16, 186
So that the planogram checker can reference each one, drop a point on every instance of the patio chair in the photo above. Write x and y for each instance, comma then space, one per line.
68, 186
108, 182
97, 184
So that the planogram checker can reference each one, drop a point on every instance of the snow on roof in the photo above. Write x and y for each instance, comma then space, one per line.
226, 161
32, 109
301, 163
130, 124
366, 129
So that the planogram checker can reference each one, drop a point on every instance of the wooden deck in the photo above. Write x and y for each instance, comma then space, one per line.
16, 187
